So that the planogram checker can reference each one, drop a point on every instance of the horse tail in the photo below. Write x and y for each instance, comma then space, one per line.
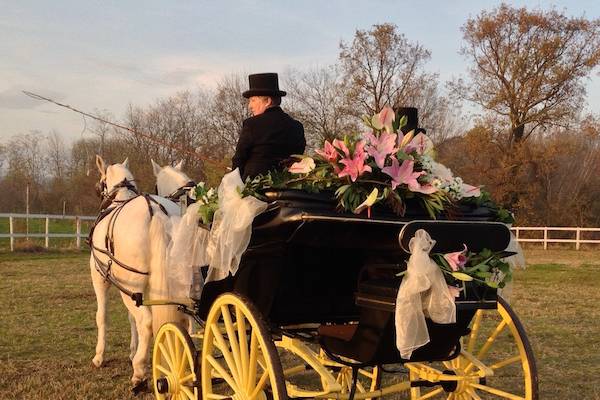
158, 284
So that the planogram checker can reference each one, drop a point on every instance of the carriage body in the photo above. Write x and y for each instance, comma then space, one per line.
313, 275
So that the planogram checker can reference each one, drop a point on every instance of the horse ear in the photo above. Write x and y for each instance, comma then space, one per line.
101, 165
179, 165
155, 167
126, 163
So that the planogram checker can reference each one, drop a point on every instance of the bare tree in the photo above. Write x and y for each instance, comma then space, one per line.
317, 97
228, 109
528, 66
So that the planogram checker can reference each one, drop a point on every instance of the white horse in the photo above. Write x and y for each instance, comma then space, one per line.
171, 182
135, 232
189, 241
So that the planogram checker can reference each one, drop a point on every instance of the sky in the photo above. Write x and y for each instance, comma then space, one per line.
105, 55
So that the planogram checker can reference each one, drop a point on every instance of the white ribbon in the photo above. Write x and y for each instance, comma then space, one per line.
423, 293
232, 226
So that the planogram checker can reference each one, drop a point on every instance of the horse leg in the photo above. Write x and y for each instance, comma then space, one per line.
101, 289
143, 321
133, 344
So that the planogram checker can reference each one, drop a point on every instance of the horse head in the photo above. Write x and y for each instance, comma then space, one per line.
114, 178
171, 182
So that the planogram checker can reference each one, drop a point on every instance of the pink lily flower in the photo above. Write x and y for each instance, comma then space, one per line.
403, 174
428, 188
339, 144
329, 153
303, 166
457, 260
355, 167
384, 119
470, 191
421, 143
380, 147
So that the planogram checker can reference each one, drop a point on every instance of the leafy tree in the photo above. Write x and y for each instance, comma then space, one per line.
382, 68
528, 66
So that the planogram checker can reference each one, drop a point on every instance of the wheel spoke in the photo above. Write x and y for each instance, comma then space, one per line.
252, 361
222, 372
261, 384
178, 351
243, 340
506, 362
488, 344
182, 362
473, 394
222, 346
166, 356
431, 394
188, 393
474, 331
163, 369
497, 392
235, 349
187, 378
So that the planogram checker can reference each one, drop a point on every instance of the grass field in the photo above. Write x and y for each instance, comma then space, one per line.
48, 333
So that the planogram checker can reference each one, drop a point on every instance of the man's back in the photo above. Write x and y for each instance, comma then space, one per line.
266, 140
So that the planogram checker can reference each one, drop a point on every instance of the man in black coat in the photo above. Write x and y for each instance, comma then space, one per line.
270, 135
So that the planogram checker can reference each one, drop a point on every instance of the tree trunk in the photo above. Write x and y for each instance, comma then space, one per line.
517, 133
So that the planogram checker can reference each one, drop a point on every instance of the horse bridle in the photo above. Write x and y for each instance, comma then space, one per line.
175, 196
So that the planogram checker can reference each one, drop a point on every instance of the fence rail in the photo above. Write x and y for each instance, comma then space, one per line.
47, 235
578, 240
519, 231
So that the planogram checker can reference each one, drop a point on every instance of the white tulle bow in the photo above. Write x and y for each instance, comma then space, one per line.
423, 293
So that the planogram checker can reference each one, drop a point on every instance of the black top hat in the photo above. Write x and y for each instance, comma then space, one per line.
412, 116
266, 84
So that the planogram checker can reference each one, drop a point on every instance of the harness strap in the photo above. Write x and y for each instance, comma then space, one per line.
105, 268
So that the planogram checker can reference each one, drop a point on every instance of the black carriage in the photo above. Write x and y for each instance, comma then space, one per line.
310, 314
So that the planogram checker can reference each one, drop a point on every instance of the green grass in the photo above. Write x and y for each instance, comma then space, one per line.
48, 331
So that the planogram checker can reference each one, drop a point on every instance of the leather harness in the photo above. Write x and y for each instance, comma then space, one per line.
107, 207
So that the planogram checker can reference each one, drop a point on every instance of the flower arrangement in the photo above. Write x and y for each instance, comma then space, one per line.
208, 201
484, 268
381, 165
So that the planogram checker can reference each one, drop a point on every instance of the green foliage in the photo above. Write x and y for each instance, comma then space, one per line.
483, 268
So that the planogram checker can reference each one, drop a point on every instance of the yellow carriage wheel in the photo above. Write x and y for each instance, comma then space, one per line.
496, 362
239, 358
369, 379
174, 364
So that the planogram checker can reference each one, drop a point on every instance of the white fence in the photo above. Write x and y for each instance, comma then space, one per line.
546, 238
47, 235
545, 232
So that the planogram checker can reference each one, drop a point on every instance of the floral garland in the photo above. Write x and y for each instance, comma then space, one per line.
382, 165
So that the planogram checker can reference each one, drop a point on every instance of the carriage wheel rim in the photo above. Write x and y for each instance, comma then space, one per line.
247, 360
174, 360
473, 383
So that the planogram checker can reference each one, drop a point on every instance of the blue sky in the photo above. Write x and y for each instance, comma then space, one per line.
107, 54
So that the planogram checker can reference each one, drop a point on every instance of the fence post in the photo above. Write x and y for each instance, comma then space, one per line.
78, 231
47, 241
577, 238
11, 231
517, 233
545, 238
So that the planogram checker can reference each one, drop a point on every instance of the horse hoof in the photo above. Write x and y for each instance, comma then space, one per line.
97, 362
141, 387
